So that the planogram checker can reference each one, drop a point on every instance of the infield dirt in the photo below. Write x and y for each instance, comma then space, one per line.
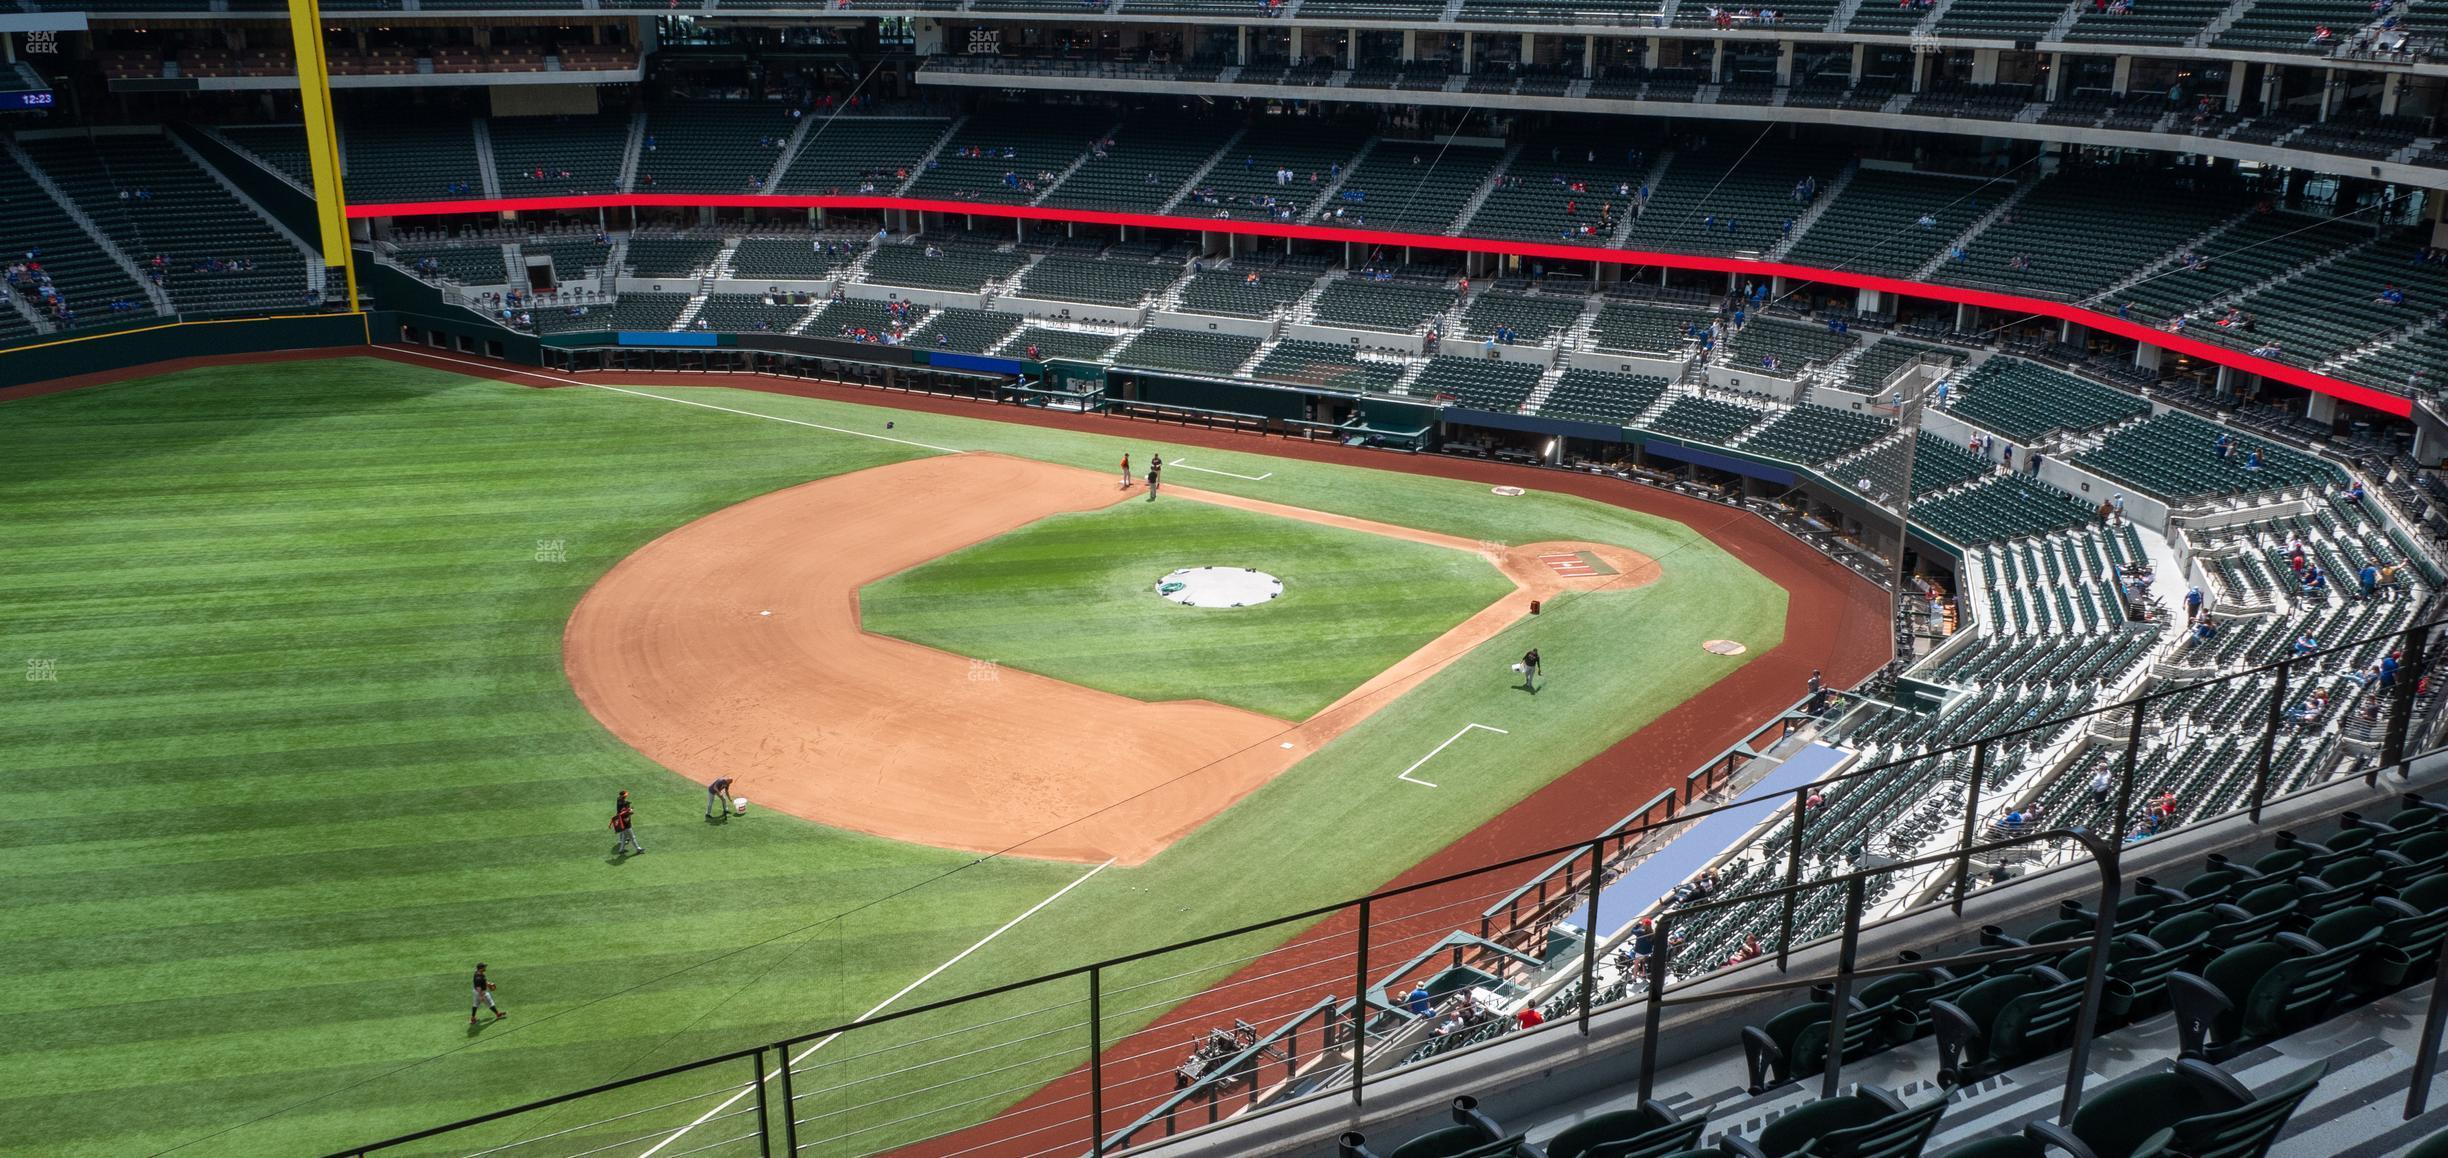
732, 646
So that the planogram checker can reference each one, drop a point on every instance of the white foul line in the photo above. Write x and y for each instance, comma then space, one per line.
1415, 765
709, 1115
491, 368
1226, 473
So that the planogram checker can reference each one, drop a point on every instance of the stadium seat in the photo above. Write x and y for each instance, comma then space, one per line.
1866, 1123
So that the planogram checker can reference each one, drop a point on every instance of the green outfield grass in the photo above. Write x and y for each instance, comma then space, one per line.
292, 749
1073, 597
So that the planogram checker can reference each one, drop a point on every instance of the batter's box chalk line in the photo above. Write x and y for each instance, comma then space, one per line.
1467, 729
1226, 473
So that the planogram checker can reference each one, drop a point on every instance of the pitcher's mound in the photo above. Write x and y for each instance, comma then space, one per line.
1219, 586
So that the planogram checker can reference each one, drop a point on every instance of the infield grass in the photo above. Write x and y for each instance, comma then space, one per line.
1074, 597
293, 749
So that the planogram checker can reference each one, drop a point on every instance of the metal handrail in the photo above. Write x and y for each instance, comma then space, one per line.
2393, 752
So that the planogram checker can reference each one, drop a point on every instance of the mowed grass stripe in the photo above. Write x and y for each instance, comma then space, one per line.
308, 750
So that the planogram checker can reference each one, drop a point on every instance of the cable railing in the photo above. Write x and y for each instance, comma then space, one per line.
1093, 1059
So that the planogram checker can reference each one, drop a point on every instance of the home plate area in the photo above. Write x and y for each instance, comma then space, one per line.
1576, 564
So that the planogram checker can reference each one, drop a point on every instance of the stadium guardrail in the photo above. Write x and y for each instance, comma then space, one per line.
1087, 1059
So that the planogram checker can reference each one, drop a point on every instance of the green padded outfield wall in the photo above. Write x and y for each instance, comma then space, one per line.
54, 356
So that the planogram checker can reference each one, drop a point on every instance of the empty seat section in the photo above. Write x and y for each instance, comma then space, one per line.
1599, 396
1008, 157
1396, 188
219, 255
712, 146
953, 267
860, 154
1478, 383
2026, 401
1326, 365
1397, 307
1140, 168
1113, 283
421, 157
557, 156
1194, 351
1891, 224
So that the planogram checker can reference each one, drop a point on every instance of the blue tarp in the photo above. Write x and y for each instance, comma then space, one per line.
1633, 892
659, 338
979, 362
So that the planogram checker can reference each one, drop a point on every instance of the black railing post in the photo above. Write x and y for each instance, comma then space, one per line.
1096, 1060
1856, 895
2107, 851
2269, 744
1971, 827
1793, 875
2401, 703
2125, 779
1359, 1022
1656, 1014
756, 1073
2426, 1060
790, 1108
1589, 935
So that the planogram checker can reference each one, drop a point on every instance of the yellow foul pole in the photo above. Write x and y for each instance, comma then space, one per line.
322, 138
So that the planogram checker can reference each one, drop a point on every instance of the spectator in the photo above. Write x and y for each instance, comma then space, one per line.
1419, 1002
1528, 1017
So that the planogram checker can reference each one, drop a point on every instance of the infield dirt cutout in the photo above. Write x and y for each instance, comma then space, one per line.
675, 652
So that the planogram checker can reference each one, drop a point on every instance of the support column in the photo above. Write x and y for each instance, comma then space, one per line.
1351, 48
1410, 48
2322, 408
1296, 45
2329, 84
1241, 45
1963, 318
2272, 83
2390, 91
1785, 55
1716, 61
2056, 73
2122, 78
1868, 301
1589, 57
2146, 356
1470, 53
1860, 52
1920, 68
1984, 65
2235, 86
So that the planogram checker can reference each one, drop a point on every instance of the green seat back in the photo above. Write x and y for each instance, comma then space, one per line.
1626, 1134
1450, 1142
2245, 1131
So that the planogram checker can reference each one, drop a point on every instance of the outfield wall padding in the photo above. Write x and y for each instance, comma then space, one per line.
66, 356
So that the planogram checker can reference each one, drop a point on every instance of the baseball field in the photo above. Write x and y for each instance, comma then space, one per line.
324, 674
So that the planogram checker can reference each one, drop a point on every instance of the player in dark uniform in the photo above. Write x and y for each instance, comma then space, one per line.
1530, 669
484, 997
